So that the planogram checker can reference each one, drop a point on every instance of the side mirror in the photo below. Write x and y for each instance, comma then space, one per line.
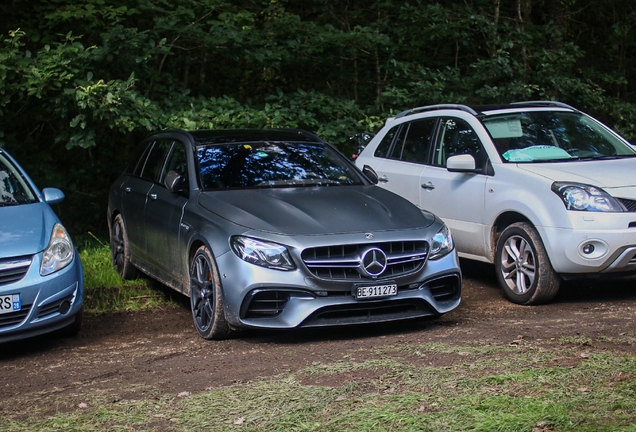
175, 182
461, 163
370, 174
52, 195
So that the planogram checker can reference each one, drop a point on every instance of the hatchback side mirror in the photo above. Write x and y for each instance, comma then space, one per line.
52, 195
175, 182
370, 174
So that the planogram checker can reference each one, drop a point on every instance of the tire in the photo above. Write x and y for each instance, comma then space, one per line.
120, 250
523, 267
74, 328
206, 297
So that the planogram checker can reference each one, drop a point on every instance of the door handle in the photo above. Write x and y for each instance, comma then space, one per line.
383, 179
153, 196
429, 186
127, 189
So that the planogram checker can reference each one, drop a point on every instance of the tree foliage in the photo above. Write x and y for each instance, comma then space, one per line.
82, 81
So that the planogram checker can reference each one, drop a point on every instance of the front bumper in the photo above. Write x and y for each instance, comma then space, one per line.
48, 303
596, 243
262, 298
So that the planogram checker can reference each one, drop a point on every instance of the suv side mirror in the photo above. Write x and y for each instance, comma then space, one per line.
370, 174
463, 163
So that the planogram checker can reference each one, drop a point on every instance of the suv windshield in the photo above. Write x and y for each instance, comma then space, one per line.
272, 164
14, 189
548, 136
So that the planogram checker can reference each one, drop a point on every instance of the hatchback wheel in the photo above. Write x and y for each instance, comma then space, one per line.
120, 251
523, 268
206, 298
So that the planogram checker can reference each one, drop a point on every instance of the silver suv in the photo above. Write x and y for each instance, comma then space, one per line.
540, 189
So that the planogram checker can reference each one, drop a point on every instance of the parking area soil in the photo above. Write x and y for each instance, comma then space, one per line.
158, 352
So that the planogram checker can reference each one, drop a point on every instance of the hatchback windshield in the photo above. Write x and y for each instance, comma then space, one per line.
272, 164
13, 188
542, 136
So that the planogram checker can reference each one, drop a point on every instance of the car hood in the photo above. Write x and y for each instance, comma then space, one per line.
316, 210
25, 229
617, 173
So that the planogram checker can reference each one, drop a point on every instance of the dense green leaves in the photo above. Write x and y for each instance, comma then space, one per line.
82, 81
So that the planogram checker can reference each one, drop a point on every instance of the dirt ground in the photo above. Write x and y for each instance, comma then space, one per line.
154, 353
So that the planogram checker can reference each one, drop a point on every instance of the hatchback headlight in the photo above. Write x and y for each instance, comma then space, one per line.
59, 252
582, 197
264, 254
441, 243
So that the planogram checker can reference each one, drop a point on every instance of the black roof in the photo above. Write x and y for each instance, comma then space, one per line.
220, 136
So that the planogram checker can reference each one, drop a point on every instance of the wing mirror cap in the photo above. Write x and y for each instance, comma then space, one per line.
174, 182
370, 174
461, 163
52, 195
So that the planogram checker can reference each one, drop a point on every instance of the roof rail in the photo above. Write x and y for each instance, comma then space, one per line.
545, 103
436, 107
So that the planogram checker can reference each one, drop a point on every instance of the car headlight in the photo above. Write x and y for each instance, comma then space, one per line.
59, 252
441, 243
582, 197
262, 253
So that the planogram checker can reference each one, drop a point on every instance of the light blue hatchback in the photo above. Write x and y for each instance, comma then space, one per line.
41, 276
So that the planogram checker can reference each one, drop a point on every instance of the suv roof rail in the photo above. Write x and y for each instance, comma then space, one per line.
436, 107
545, 103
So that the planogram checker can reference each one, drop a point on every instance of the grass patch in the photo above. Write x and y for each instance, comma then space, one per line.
105, 291
506, 390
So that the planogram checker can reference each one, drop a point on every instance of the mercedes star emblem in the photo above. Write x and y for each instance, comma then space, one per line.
374, 262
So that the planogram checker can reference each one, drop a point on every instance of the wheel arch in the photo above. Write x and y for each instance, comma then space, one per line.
503, 220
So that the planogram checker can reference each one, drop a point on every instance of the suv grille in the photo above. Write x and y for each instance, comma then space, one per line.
629, 204
345, 262
13, 269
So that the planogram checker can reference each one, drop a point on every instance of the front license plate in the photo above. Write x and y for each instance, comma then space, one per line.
365, 292
10, 303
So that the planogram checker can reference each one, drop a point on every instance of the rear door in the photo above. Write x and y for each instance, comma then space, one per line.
404, 150
163, 214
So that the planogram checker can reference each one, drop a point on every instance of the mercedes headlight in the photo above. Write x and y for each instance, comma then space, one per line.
441, 243
261, 253
582, 197
59, 252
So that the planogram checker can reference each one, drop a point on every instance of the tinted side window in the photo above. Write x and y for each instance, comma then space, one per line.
154, 162
382, 150
177, 161
417, 144
138, 160
456, 138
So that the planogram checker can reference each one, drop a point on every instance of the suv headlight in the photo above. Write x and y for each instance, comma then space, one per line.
441, 243
59, 252
582, 197
264, 254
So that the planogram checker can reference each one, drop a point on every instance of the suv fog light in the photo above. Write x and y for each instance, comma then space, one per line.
593, 249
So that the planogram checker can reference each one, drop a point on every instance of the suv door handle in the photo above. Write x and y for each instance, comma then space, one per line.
153, 196
429, 186
383, 179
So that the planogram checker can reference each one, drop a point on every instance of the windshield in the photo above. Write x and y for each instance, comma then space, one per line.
272, 164
548, 136
14, 189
